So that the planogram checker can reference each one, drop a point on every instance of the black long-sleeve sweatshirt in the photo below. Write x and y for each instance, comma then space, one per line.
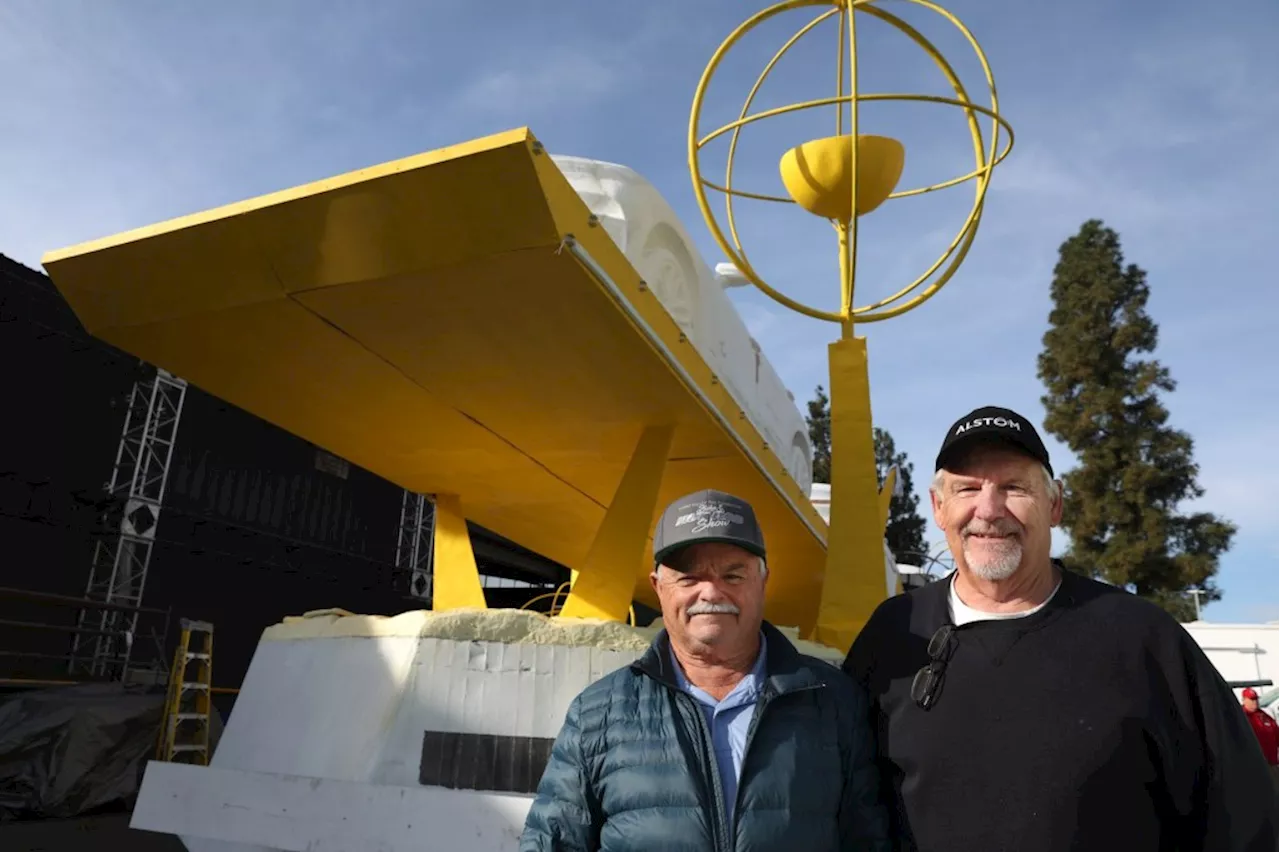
1094, 724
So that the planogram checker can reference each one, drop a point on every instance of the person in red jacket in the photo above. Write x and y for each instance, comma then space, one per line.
1264, 728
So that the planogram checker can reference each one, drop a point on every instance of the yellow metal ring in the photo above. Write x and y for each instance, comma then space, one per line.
746, 107
984, 162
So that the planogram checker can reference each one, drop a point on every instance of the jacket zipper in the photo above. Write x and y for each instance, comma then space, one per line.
726, 834
766, 699
710, 768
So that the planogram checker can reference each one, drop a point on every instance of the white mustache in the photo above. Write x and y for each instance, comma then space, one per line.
1004, 526
712, 609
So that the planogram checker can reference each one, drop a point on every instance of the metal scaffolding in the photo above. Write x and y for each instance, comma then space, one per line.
151, 642
118, 574
414, 543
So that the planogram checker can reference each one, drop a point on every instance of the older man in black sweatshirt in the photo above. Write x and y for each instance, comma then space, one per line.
1022, 707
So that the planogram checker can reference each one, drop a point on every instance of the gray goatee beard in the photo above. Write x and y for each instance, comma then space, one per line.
1000, 562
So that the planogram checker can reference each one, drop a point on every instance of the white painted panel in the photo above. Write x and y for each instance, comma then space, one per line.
270, 811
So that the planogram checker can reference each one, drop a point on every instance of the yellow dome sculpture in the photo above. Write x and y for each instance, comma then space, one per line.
837, 180
817, 173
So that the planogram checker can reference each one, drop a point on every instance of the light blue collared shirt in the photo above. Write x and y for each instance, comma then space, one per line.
728, 721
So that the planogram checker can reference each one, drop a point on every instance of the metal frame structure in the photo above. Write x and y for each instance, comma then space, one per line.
415, 543
154, 644
118, 574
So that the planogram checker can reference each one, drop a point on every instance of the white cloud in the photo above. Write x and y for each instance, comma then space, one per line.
759, 319
564, 78
577, 69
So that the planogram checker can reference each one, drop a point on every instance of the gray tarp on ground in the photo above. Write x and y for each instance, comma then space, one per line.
69, 750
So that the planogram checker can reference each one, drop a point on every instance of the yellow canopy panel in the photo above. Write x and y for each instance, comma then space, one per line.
427, 320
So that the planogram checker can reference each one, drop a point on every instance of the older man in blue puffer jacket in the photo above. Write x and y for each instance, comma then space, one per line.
722, 736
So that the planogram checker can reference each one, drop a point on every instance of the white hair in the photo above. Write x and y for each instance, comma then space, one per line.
1052, 487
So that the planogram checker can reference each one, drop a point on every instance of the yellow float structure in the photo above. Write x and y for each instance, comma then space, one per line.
459, 323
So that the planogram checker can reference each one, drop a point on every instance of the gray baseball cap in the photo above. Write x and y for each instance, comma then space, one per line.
707, 516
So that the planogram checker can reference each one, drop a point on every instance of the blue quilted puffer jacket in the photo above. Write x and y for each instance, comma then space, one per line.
633, 766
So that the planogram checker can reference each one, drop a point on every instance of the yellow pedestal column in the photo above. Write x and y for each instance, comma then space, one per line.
456, 581
853, 583
602, 588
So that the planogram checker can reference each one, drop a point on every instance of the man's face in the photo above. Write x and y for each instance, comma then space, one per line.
1251, 704
713, 598
996, 511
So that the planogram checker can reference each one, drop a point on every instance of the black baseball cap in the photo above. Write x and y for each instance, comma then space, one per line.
991, 423
707, 516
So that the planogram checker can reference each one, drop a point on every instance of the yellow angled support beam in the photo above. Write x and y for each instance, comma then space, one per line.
456, 582
602, 588
886, 495
853, 583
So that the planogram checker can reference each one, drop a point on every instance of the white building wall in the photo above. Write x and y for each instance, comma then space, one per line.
1240, 652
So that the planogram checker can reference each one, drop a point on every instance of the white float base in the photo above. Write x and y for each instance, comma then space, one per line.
230, 810
325, 749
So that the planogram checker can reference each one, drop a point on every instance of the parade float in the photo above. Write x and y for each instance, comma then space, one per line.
536, 344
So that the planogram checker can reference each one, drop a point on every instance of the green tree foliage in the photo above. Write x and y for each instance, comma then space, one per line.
820, 434
905, 530
1103, 402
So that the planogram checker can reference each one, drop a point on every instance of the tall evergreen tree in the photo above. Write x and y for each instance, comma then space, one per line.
1102, 401
820, 434
905, 529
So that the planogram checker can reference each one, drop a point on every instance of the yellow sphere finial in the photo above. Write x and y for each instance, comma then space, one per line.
837, 180
818, 175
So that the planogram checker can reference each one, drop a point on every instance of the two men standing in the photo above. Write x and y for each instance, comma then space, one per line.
1013, 707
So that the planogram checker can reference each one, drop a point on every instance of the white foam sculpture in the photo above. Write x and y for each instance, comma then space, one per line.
325, 750
650, 235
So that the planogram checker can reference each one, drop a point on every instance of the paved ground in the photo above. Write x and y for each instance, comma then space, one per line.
86, 834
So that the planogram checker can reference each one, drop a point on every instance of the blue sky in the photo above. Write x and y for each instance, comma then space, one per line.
1158, 117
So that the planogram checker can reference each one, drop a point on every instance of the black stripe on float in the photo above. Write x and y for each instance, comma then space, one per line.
487, 762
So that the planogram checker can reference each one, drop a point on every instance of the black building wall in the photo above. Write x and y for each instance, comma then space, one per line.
251, 531
64, 400
256, 523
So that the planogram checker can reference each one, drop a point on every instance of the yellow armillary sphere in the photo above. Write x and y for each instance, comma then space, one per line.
825, 176
839, 180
